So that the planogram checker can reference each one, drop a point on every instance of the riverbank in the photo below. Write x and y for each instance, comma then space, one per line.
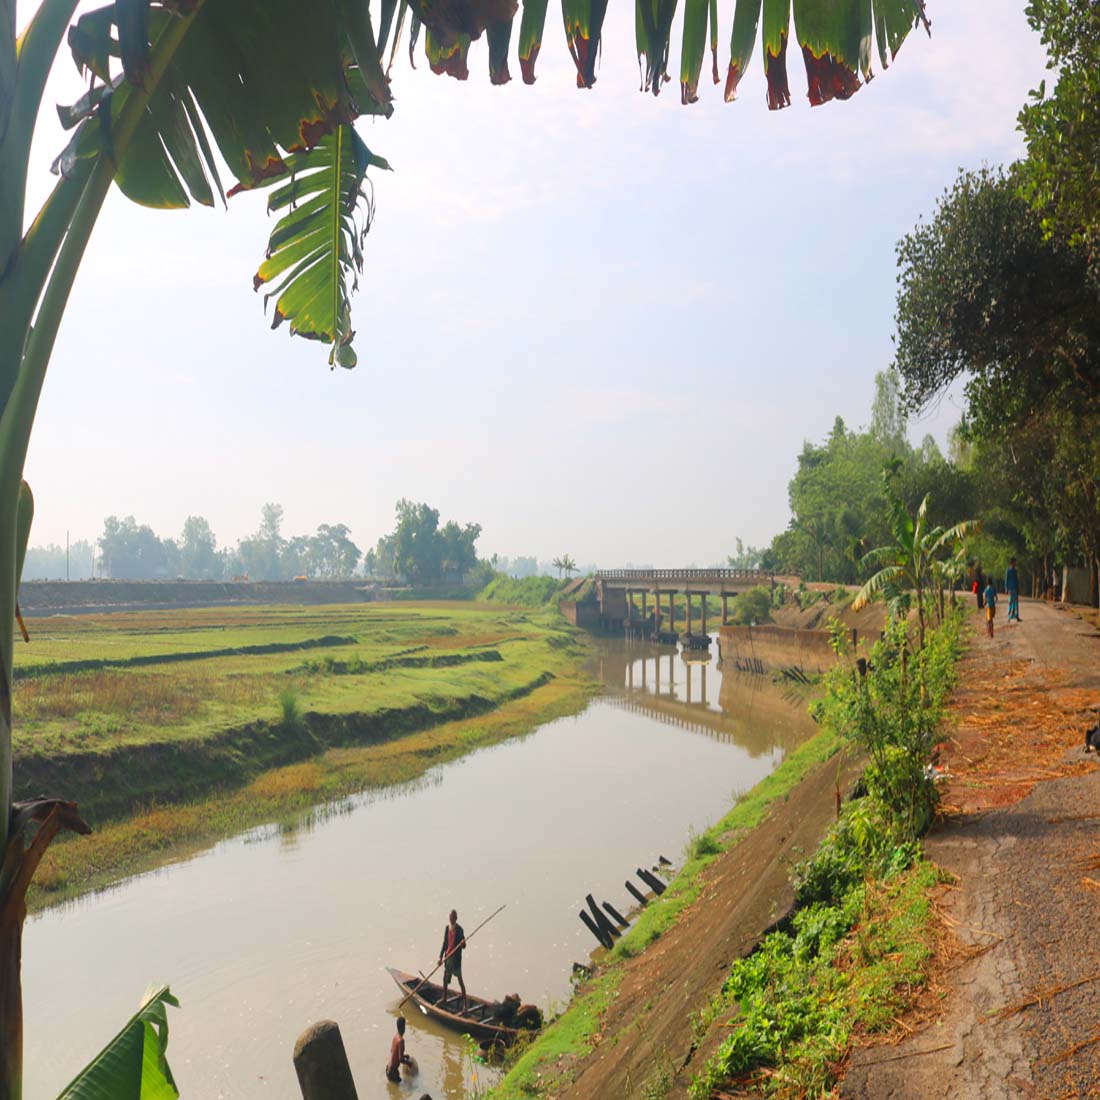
632, 1023
742, 988
141, 744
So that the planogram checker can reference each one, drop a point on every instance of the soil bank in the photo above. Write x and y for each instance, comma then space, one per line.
635, 1015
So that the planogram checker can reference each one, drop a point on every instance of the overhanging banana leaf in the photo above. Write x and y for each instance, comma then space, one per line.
133, 1065
583, 26
447, 59
774, 36
836, 45
653, 32
697, 14
317, 244
746, 18
530, 37
499, 35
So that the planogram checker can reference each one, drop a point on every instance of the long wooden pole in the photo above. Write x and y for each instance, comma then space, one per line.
465, 939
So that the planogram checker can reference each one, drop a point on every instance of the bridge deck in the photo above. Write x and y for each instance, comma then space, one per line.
695, 580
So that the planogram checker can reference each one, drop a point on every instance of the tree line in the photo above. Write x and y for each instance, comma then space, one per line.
418, 550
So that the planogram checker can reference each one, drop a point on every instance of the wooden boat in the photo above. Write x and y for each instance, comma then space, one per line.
479, 1020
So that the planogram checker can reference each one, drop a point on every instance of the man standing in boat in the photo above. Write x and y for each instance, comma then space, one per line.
450, 954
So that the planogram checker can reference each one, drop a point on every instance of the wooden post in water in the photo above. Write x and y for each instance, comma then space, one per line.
322, 1064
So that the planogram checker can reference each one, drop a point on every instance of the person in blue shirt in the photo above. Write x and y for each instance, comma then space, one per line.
990, 595
1012, 587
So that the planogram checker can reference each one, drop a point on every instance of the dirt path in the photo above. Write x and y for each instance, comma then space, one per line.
1021, 1015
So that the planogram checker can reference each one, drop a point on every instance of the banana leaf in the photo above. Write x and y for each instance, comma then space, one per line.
530, 37
500, 37
316, 246
775, 33
697, 14
836, 45
653, 32
746, 19
447, 59
133, 1065
583, 26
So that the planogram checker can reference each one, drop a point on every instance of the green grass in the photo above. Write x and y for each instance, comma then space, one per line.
408, 745
569, 1037
121, 738
526, 592
789, 1011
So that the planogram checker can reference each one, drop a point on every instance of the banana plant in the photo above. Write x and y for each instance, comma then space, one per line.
133, 1065
275, 88
910, 563
272, 88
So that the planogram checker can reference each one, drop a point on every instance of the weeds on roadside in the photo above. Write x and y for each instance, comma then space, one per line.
861, 934
700, 844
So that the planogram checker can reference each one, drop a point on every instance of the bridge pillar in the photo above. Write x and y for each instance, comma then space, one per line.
629, 606
645, 613
725, 614
689, 612
657, 614
704, 613
672, 611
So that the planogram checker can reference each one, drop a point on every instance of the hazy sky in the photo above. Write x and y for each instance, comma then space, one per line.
593, 322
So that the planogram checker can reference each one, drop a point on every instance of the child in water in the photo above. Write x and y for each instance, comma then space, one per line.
990, 595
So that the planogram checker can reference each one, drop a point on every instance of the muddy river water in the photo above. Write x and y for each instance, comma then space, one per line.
270, 931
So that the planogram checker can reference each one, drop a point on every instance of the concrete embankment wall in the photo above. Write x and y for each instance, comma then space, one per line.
776, 647
47, 597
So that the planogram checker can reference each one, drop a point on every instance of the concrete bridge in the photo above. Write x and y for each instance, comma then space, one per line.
616, 589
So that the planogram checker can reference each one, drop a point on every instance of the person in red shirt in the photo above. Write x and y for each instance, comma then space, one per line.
398, 1057
450, 954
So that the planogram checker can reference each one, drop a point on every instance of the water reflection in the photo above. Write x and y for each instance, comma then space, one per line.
690, 689
269, 932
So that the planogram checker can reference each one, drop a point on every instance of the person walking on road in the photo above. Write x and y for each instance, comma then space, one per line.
979, 586
450, 955
990, 597
1012, 587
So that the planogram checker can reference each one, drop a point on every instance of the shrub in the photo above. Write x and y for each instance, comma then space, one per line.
290, 707
753, 606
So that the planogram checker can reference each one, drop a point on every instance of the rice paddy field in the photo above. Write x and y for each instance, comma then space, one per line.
181, 725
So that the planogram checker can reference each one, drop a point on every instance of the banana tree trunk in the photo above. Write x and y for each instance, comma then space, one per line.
38, 273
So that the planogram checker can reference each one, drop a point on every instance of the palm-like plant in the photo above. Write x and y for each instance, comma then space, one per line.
274, 86
908, 566
568, 565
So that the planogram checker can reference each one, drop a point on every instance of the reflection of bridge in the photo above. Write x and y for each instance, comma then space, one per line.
616, 588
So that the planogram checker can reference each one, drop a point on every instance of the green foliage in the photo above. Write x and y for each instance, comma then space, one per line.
893, 713
844, 965
1061, 174
134, 1063
753, 606
290, 707
985, 293
525, 592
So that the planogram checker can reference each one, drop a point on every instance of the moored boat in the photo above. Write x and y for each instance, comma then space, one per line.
480, 1020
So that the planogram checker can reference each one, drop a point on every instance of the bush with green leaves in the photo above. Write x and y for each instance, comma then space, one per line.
751, 607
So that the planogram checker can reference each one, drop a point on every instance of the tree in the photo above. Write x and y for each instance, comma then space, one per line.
417, 552
331, 553
985, 294
1061, 174
568, 565
909, 563
130, 552
747, 557
170, 80
198, 550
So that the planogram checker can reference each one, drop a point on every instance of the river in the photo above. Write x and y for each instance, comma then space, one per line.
270, 931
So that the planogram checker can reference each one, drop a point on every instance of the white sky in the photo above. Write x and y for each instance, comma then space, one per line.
593, 322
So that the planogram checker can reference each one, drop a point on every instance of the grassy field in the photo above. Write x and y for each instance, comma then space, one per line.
127, 710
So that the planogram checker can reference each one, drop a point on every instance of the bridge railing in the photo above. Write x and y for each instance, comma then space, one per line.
685, 576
